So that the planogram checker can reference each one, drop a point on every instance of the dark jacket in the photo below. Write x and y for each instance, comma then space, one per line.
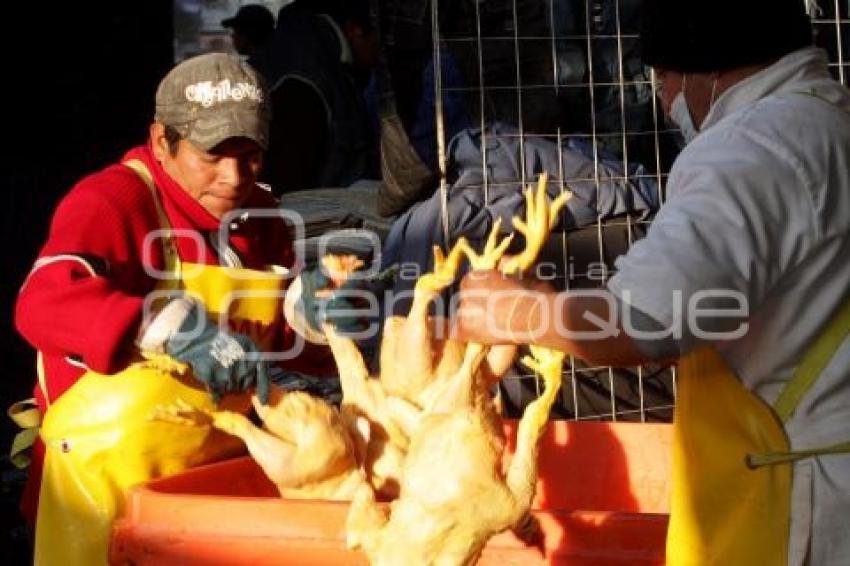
315, 103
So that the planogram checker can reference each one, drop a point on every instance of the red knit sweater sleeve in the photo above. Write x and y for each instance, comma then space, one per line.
64, 308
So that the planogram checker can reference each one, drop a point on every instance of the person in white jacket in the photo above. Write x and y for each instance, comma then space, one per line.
744, 276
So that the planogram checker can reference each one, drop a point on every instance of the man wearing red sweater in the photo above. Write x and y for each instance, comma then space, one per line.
185, 202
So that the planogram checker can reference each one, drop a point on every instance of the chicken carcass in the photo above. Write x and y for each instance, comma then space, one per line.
454, 493
305, 447
417, 359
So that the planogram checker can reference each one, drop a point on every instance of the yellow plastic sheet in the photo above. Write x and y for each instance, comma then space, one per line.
100, 442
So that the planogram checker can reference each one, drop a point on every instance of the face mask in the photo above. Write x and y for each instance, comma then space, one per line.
681, 115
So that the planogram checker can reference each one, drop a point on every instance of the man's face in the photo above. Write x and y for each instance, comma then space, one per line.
668, 85
220, 179
700, 90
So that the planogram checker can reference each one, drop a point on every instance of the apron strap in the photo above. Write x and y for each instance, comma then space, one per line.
42, 382
813, 363
773, 458
169, 247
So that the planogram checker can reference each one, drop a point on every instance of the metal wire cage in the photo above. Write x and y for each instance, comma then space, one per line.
569, 72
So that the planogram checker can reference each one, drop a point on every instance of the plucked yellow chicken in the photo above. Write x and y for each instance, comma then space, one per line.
454, 493
416, 351
305, 447
417, 362
466, 372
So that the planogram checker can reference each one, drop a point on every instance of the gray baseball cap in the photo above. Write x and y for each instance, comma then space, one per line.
213, 97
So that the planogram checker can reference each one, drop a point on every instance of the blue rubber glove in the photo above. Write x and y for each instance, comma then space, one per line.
226, 362
339, 307
333, 307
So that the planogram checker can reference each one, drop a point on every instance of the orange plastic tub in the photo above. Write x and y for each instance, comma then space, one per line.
602, 499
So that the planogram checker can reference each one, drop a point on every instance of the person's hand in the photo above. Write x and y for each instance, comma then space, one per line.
325, 302
335, 293
226, 362
498, 309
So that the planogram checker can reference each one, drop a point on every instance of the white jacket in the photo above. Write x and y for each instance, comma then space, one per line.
759, 203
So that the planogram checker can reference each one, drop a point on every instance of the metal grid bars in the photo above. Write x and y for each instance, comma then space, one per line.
831, 27
566, 74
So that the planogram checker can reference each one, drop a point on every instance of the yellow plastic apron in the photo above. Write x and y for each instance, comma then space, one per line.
732, 461
99, 437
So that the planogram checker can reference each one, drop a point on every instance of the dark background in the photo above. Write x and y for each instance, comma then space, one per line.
79, 81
